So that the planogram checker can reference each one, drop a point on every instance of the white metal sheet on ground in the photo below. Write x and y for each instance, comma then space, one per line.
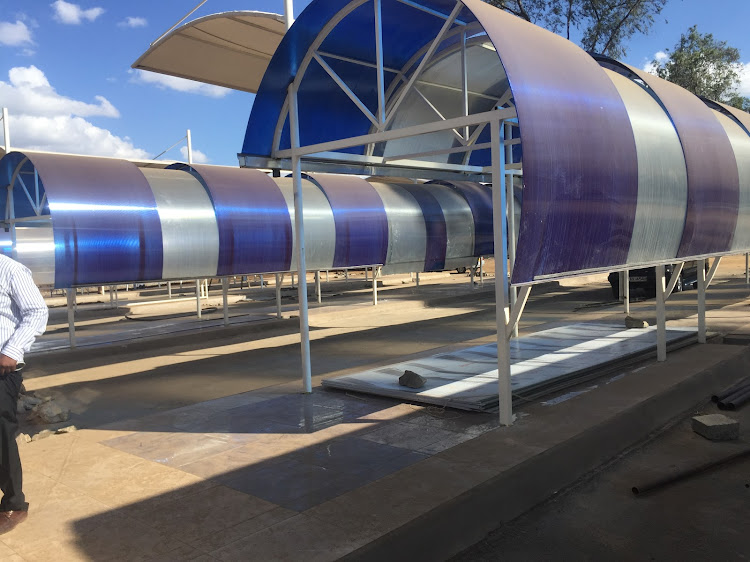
467, 379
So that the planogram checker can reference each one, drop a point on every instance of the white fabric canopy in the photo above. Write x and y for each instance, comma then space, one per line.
229, 49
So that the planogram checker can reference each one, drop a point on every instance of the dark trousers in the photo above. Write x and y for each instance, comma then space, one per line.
11, 477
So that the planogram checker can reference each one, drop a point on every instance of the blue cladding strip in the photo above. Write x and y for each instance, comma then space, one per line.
104, 218
255, 229
479, 199
361, 222
434, 220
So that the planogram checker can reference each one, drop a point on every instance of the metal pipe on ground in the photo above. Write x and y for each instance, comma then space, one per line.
688, 473
735, 400
731, 390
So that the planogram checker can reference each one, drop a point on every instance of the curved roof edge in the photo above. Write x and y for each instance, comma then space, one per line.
216, 49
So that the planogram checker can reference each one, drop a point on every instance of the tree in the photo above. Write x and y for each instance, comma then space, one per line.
605, 25
707, 67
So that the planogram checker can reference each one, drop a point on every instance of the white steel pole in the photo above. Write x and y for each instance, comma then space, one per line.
701, 301
417, 278
299, 233
374, 288
511, 217
225, 298
6, 130
71, 294
501, 273
198, 297
190, 148
626, 290
747, 269
288, 13
317, 287
661, 316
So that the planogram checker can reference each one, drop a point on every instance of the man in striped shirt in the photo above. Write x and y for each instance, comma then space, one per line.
23, 316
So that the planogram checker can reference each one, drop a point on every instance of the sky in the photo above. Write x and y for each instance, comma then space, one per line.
65, 74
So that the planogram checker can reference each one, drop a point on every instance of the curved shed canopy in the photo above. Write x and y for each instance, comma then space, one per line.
230, 49
619, 167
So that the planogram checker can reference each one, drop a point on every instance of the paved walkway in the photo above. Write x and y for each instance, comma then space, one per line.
269, 474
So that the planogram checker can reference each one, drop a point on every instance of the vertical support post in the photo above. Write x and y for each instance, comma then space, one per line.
511, 218
747, 269
6, 130
169, 289
481, 270
71, 294
374, 288
278, 296
471, 276
379, 63
225, 298
299, 233
262, 283
189, 148
365, 273
198, 297
499, 219
464, 83
701, 301
292, 279
620, 286
288, 13
661, 316
111, 298
626, 290
326, 276
318, 292
417, 278
346, 275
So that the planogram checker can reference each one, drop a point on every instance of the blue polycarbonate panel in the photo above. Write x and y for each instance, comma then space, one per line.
361, 222
740, 141
662, 177
106, 227
437, 238
320, 119
579, 156
713, 181
255, 230
28, 187
479, 199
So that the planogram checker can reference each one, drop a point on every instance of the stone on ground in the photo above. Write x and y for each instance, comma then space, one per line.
716, 427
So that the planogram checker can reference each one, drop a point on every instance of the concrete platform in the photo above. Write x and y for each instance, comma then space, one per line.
269, 474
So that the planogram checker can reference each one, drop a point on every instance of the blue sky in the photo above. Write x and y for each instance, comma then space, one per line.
65, 74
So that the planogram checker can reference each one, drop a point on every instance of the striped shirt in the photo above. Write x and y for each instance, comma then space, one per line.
23, 312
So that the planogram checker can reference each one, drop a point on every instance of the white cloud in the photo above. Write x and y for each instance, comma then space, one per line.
73, 14
28, 91
198, 156
133, 22
178, 84
42, 119
15, 34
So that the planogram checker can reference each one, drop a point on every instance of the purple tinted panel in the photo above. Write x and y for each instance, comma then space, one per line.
479, 199
104, 220
713, 180
361, 222
741, 116
434, 220
255, 229
579, 154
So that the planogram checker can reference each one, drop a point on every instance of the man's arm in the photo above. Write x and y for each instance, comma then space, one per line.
33, 311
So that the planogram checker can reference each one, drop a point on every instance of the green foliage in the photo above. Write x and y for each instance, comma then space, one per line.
707, 67
605, 26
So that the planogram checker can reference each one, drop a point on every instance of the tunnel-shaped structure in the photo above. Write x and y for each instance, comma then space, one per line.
91, 221
620, 169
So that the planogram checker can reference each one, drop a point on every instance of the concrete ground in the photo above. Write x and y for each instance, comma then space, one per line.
196, 444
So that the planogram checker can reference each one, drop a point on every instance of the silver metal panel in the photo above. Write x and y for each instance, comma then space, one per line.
407, 234
320, 229
740, 142
35, 248
662, 176
459, 223
190, 234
